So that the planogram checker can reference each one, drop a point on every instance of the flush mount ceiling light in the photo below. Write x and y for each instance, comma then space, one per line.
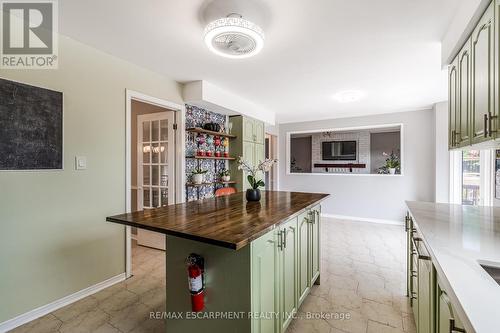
348, 96
234, 37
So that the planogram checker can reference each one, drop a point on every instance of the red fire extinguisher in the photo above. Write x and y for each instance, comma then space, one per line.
195, 267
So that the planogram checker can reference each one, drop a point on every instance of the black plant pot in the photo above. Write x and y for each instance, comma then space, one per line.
253, 195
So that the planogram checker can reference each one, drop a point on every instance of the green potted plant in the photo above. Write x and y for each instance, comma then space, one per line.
392, 163
253, 193
225, 175
197, 175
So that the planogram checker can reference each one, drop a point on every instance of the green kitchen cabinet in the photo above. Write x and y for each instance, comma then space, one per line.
264, 280
248, 144
425, 295
248, 129
463, 96
288, 273
259, 132
452, 102
483, 113
314, 227
253, 130
303, 256
446, 319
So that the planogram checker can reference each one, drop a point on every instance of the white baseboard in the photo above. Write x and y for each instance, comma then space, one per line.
45, 309
362, 219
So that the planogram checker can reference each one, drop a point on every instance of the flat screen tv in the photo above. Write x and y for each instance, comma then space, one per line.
339, 150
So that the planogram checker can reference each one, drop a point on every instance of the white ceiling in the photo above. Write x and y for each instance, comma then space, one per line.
389, 49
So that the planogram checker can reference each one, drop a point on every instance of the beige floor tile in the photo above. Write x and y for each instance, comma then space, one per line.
45, 324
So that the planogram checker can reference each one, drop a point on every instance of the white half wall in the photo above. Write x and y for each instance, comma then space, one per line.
442, 153
379, 197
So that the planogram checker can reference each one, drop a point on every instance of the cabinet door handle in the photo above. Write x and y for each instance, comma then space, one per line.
454, 329
284, 238
485, 125
419, 256
280, 241
490, 120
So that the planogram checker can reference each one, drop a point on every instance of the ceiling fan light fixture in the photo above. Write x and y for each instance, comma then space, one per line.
234, 37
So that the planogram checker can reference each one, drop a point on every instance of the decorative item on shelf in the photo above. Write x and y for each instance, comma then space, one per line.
217, 153
197, 175
217, 141
200, 152
229, 127
226, 154
392, 164
214, 127
210, 140
225, 175
225, 144
209, 153
253, 194
200, 139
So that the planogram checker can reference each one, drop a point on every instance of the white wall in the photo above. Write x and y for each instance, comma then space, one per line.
442, 153
372, 196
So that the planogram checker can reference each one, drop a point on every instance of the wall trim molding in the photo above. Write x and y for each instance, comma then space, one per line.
57, 304
363, 219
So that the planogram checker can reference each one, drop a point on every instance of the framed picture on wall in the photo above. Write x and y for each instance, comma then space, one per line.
31, 131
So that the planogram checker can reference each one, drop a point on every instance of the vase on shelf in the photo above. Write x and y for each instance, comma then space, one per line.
392, 171
226, 178
197, 178
253, 194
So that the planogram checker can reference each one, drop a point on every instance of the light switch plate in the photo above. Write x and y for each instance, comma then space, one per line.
80, 162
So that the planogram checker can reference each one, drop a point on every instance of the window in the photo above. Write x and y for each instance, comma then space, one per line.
471, 177
361, 150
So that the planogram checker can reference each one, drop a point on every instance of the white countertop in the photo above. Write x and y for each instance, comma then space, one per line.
458, 238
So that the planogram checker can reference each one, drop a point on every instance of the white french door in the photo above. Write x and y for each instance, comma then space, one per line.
155, 168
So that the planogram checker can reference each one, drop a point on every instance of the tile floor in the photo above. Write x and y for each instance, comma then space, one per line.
362, 281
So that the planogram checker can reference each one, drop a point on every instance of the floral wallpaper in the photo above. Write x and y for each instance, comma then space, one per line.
197, 117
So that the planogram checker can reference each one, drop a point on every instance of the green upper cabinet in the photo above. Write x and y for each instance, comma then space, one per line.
483, 78
253, 130
288, 271
248, 129
473, 84
259, 132
464, 59
452, 102
264, 263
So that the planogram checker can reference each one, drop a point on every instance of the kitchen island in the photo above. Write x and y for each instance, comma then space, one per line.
261, 258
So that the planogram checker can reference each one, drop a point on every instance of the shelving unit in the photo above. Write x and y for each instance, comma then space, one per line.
194, 130
204, 131
211, 158
210, 183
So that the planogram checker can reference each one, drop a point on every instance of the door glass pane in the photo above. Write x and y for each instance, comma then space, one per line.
145, 131
146, 201
145, 175
163, 153
155, 175
146, 153
155, 130
164, 176
471, 177
163, 130
155, 157
156, 197
164, 197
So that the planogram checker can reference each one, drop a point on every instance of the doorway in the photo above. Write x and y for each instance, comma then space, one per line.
155, 165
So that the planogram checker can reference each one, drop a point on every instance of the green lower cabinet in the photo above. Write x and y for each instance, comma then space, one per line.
314, 225
264, 291
284, 264
288, 271
446, 319
425, 297
303, 256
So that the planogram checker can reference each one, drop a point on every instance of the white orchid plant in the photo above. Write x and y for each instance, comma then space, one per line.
252, 170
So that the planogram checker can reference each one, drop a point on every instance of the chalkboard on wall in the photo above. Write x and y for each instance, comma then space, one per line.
31, 127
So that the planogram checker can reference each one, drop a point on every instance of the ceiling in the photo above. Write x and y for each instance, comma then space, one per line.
388, 49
